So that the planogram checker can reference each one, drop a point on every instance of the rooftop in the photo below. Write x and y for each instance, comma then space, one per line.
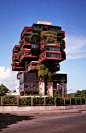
44, 22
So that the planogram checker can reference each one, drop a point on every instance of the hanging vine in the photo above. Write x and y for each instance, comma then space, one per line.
43, 71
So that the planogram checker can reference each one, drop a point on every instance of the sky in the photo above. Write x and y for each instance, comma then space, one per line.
69, 14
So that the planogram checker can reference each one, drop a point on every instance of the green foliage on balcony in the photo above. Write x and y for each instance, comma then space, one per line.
13, 63
43, 71
51, 40
49, 32
35, 34
21, 42
27, 38
21, 52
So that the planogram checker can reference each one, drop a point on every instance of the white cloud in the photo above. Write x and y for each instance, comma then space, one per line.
8, 78
76, 47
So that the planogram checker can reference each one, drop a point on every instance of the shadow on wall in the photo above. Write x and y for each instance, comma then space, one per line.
8, 119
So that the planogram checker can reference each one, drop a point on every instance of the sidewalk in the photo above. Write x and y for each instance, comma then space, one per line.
46, 112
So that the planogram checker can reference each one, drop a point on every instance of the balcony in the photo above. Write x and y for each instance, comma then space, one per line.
61, 35
59, 78
35, 46
63, 56
49, 40
15, 57
16, 49
31, 64
18, 75
17, 67
26, 31
27, 56
48, 34
51, 56
26, 44
51, 48
63, 45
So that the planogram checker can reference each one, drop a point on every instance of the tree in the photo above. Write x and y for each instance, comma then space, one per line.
80, 93
3, 90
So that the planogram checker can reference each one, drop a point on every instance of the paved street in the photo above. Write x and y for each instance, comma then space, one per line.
47, 123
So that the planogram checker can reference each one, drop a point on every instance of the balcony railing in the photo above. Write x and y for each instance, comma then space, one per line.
31, 64
50, 55
17, 68
15, 57
16, 49
26, 44
26, 31
27, 54
18, 75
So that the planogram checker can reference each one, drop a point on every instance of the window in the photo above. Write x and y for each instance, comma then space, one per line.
35, 39
53, 48
35, 46
53, 55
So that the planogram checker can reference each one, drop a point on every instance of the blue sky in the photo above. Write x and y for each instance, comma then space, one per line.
69, 14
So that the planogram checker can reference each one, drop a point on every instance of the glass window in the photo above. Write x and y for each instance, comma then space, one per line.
35, 46
53, 55
53, 48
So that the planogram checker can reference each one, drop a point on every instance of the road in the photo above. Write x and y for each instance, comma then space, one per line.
49, 123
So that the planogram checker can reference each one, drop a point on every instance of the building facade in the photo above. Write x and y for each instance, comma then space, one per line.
37, 59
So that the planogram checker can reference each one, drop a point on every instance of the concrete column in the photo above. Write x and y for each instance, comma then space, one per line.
55, 100
76, 101
50, 88
31, 101
41, 88
17, 101
70, 101
81, 101
44, 101
85, 100
2, 100
64, 101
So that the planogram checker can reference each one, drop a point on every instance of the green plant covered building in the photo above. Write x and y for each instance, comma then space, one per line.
37, 59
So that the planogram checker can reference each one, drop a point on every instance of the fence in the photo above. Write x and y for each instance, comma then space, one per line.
40, 101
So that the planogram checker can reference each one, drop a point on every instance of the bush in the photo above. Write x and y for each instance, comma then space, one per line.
38, 101
67, 101
83, 100
3, 90
0, 100
25, 101
8, 100
49, 32
73, 102
59, 101
50, 100
78, 101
